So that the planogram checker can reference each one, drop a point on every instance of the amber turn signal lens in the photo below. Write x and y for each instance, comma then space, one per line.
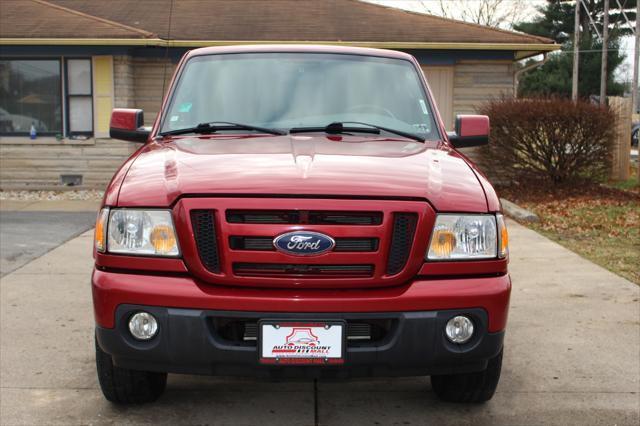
504, 237
163, 239
100, 236
443, 243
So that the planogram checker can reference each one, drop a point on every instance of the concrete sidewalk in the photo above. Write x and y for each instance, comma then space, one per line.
572, 356
52, 221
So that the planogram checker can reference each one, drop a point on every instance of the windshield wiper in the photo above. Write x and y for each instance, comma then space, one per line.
214, 126
339, 127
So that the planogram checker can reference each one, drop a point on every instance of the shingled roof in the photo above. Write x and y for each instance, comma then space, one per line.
41, 19
200, 22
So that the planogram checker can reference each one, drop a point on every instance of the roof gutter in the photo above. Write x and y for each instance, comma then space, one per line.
518, 73
523, 50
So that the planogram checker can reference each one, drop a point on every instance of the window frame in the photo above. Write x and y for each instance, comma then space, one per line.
59, 59
67, 98
63, 90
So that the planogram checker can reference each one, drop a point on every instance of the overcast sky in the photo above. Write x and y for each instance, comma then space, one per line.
425, 5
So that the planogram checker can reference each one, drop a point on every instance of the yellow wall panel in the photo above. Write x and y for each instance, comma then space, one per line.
104, 105
102, 94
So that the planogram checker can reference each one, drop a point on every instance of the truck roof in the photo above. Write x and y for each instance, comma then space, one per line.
299, 48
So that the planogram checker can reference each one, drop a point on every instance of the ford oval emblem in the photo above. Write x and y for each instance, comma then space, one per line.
303, 243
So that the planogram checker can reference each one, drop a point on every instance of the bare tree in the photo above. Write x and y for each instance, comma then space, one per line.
493, 13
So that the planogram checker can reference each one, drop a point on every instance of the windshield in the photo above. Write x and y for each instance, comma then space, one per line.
297, 90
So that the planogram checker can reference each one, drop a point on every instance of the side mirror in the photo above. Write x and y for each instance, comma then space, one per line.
127, 125
471, 130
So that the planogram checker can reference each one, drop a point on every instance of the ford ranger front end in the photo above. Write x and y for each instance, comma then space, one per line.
299, 211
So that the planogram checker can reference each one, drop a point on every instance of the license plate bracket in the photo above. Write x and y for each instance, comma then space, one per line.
292, 342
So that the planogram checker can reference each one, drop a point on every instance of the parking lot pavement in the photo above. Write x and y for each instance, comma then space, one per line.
571, 357
26, 235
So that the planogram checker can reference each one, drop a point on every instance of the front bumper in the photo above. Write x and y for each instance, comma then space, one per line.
112, 289
188, 342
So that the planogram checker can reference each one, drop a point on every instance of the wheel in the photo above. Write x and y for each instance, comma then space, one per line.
469, 387
124, 386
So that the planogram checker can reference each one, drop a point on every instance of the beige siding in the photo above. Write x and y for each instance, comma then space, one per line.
441, 83
38, 164
476, 82
148, 74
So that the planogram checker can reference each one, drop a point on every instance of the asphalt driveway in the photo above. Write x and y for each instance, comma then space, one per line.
26, 235
572, 356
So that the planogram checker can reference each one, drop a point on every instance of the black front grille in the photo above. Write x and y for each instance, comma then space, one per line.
404, 228
266, 244
263, 216
300, 269
204, 230
356, 244
251, 243
345, 218
297, 217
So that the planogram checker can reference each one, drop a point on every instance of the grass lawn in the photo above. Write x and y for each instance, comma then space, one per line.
601, 223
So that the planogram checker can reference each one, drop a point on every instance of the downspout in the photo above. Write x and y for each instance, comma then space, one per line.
516, 75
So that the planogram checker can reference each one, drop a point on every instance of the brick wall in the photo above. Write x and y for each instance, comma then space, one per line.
148, 76
123, 82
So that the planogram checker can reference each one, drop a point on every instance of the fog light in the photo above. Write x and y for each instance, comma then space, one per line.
459, 329
143, 326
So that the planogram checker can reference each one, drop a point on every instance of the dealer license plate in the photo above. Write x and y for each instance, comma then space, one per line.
301, 343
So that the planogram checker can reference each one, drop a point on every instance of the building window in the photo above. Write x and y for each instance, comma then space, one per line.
30, 94
79, 97
54, 95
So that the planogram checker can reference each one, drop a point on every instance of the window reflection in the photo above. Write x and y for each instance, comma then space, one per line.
30, 94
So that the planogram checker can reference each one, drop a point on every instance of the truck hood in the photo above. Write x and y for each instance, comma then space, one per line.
346, 166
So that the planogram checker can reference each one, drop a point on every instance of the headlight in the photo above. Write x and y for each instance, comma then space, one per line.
461, 237
142, 232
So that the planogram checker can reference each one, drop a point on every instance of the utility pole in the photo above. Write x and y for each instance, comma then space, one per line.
636, 58
576, 53
605, 51
635, 103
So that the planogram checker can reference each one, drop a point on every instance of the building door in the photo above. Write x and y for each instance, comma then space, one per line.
440, 80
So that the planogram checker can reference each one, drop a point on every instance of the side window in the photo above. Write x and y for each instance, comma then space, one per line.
79, 97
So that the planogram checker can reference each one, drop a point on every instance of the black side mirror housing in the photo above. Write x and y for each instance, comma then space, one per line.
471, 130
127, 124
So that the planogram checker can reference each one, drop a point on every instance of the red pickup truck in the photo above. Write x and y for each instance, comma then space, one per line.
299, 211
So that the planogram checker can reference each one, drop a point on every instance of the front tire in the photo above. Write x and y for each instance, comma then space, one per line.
469, 387
124, 386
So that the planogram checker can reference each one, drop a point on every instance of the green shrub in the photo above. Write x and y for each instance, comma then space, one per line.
548, 138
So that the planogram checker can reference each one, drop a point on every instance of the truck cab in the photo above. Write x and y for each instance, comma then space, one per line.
299, 211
